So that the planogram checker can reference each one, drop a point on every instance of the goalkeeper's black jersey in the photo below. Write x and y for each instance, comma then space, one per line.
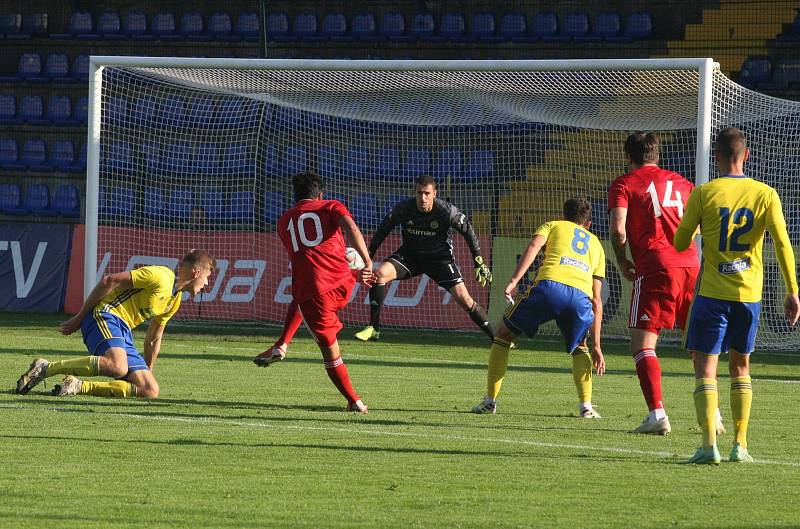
426, 235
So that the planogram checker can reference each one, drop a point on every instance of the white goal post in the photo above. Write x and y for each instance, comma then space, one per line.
196, 152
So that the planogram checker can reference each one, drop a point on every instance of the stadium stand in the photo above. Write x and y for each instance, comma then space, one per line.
66, 201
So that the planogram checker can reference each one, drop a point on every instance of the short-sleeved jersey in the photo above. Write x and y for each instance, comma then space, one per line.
572, 256
312, 237
655, 199
732, 212
426, 235
152, 296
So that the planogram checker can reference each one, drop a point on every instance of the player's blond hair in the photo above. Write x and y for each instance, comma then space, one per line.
194, 257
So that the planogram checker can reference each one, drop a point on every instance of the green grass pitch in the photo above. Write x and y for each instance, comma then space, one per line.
230, 445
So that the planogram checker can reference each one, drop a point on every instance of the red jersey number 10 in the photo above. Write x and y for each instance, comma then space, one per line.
668, 201
305, 221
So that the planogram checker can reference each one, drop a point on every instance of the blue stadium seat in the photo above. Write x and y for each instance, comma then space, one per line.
193, 28
271, 166
248, 27
34, 155
109, 26
288, 119
30, 68
115, 111
275, 203
121, 203
80, 112
278, 28
144, 112
120, 158
239, 113
393, 27
423, 27
387, 163
328, 162
480, 166
180, 204
202, 113
220, 27
177, 158
80, 68
37, 200
154, 203
8, 110
356, 163
295, 160
240, 206
365, 28
483, 27
11, 200
755, 70
79, 166
206, 159
212, 200
66, 201
608, 26
391, 201
135, 26
62, 155
514, 27
418, 162
334, 27
59, 111
453, 27
364, 212
639, 25
545, 27
80, 26
9, 155
162, 26
306, 29
237, 160
31, 110
10, 24
34, 24
57, 68
173, 113
449, 164
576, 27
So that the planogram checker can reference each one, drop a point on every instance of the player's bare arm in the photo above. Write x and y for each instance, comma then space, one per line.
525, 262
152, 343
355, 238
598, 360
102, 289
619, 242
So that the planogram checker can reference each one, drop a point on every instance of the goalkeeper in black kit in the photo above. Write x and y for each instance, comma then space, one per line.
427, 223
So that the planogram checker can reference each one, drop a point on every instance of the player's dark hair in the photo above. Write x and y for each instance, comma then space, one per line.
307, 185
425, 180
578, 210
195, 257
730, 143
642, 147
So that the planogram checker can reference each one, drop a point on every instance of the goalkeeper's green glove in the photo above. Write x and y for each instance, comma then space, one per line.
482, 273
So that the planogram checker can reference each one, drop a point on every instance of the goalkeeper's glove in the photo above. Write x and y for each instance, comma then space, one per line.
482, 273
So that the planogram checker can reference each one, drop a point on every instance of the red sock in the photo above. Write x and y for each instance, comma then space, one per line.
649, 370
292, 323
338, 374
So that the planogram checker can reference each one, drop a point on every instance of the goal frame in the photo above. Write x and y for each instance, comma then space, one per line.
704, 66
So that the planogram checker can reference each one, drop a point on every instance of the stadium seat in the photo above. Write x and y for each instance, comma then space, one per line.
10, 24
66, 201
212, 200
80, 68
177, 158
784, 72
755, 70
37, 200
62, 155
453, 27
115, 111
240, 206
423, 27
328, 162
248, 27
418, 162
9, 155
514, 27
608, 26
364, 212
173, 113
206, 159
31, 110
135, 26
121, 203
391, 201
545, 27
576, 27
109, 26
34, 155
275, 203
364, 28
449, 164
239, 113
120, 158
271, 166
154, 203
30, 68
202, 113
144, 112
56, 68
11, 200
387, 163
80, 26
8, 110
79, 166
34, 24
295, 160
278, 28
334, 27
483, 27
150, 151
193, 28
288, 119
306, 29
356, 163
80, 112
393, 27
639, 25
220, 27
237, 160
162, 26
179, 205
480, 166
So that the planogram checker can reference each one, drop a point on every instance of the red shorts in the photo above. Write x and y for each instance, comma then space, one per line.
661, 299
319, 313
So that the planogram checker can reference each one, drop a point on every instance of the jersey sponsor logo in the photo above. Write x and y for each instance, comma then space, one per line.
434, 224
735, 266
418, 231
574, 262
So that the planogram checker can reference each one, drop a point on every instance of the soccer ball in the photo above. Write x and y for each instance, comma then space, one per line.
354, 260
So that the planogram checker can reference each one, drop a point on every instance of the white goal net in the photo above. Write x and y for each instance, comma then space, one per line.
198, 153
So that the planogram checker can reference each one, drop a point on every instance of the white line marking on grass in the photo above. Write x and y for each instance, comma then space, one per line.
384, 433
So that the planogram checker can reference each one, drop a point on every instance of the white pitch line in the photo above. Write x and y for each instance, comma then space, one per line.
384, 433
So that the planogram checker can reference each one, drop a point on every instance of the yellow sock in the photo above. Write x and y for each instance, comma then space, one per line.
741, 400
582, 375
498, 363
87, 366
705, 404
115, 388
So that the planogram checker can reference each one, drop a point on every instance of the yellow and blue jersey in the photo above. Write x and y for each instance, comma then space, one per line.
733, 212
152, 296
573, 255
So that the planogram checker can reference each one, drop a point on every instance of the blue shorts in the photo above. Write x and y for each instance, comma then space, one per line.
550, 300
716, 325
102, 330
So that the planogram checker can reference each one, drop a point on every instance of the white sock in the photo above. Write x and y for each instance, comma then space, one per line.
585, 406
657, 414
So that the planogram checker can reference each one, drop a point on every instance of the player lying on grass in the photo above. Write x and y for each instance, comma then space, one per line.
322, 279
427, 224
118, 304
567, 290
733, 212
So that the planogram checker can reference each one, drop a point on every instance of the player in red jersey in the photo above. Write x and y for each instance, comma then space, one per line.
646, 205
322, 280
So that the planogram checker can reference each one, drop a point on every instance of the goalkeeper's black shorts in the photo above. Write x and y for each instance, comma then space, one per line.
444, 271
